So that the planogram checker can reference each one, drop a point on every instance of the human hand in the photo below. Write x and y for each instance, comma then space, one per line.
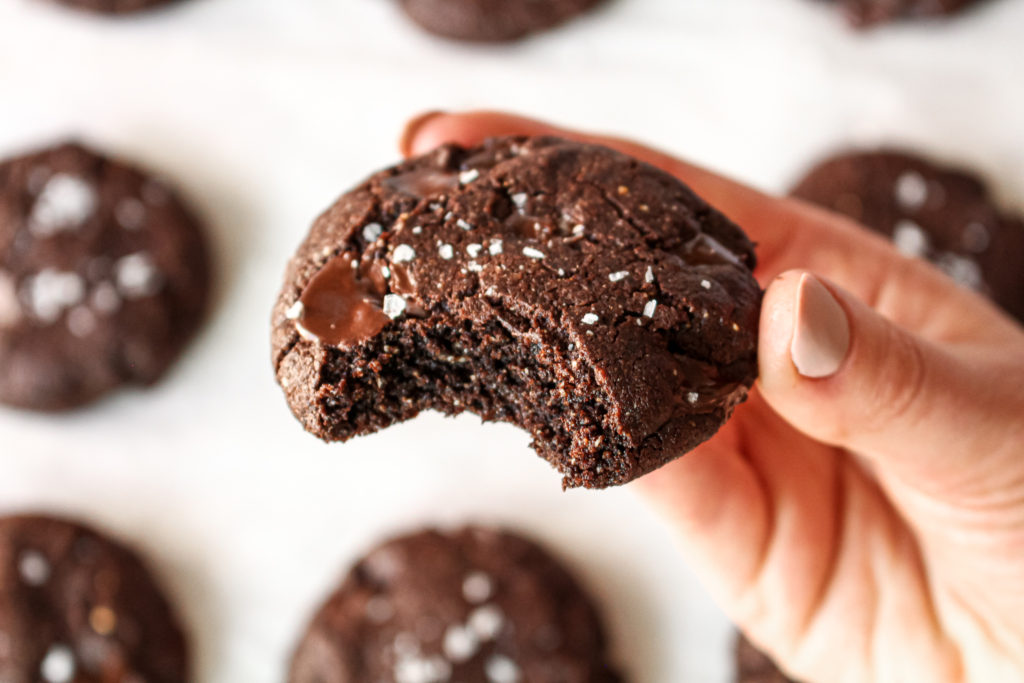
862, 515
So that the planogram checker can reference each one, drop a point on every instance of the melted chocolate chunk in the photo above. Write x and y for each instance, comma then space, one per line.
423, 183
341, 306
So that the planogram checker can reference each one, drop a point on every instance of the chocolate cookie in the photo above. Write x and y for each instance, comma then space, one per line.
474, 606
103, 277
585, 296
113, 6
754, 666
942, 214
76, 606
864, 13
492, 20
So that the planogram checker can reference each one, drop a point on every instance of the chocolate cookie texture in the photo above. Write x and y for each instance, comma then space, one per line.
113, 6
941, 214
474, 606
871, 12
492, 20
103, 277
587, 297
754, 666
75, 606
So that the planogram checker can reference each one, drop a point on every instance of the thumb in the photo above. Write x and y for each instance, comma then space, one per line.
933, 415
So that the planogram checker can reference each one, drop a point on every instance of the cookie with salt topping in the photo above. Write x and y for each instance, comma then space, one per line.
113, 6
104, 277
475, 605
587, 297
491, 21
943, 214
754, 666
76, 606
863, 13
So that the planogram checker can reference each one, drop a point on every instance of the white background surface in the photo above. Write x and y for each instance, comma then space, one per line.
262, 111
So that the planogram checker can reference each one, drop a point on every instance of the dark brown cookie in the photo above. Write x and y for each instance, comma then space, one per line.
585, 296
754, 666
864, 13
113, 6
492, 20
473, 606
103, 277
78, 607
942, 214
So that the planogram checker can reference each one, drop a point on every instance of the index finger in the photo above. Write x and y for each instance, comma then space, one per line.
789, 233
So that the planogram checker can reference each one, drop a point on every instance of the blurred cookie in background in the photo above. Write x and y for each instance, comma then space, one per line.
476, 605
113, 6
492, 21
78, 607
104, 277
943, 214
863, 13
754, 666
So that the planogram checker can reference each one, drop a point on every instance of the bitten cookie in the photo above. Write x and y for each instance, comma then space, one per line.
587, 297
938, 213
104, 277
754, 666
76, 606
864, 13
474, 606
492, 20
113, 6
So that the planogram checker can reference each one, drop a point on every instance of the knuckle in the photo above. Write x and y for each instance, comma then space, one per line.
898, 385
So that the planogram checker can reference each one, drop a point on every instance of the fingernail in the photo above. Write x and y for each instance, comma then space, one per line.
412, 128
821, 337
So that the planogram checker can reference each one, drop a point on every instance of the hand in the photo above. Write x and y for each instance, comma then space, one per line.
862, 515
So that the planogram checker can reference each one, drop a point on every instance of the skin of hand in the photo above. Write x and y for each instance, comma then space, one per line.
861, 517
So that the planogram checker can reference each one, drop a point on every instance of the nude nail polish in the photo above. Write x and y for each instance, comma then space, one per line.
821, 335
